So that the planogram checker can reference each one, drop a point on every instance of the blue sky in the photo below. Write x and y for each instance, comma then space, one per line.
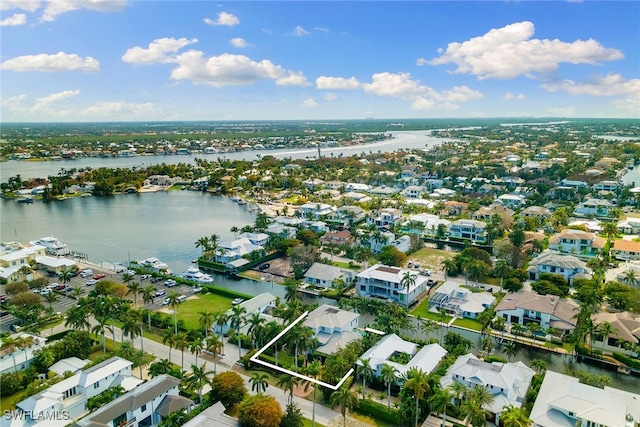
119, 60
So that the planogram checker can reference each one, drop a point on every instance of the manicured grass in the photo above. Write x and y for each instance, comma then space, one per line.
568, 347
190, 309
339, 264
468, 323
306, 422
422, 310
9, 402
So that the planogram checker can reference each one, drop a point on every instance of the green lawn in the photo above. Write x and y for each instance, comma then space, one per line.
568, 347
307, 423
9, 402
468, 323
190, 309
422, 310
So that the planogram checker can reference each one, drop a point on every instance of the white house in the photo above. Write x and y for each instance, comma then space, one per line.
146, 405
546, 310
19, 356
258, 304
323, 275
429, 224
386, 217
626, 251
354, 186
316, 210
606, 186
386, 350
514, 201
332, 327
507, 382
564, 402
258, 239
536, 212
381, 281
567, 266
468, 229
413, 191
576, 242
378, 241
593, 208
70, 395
459, 301
629, 226
229, 251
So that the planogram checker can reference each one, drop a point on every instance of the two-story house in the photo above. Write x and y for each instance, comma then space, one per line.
625, 250
507, 382
539, 212
381, 281
567, 266
546, 310
323, 275
593, 208
17, 351
485, 213
228, 251
332, 327
316, 211
413, 191
468, 229
459, 301
576, 242
386, 217
14, 256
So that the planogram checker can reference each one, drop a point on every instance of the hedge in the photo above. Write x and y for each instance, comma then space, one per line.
379, 411
230, 293
629, 361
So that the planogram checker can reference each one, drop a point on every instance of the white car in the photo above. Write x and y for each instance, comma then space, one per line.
130, 272
86, 273
91, 282
166, 301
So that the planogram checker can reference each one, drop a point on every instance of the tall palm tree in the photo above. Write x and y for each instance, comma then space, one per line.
174, 302
477, 270
365, 371
77, 318
65, 275
606, 329
214, 242
314, 370
169, 338
220, 319
182, 342
288, 383
345, 398
196, 346
427, 326
417, 381
439, 402
449, 266
214, 345
11, 344
538, 365
502, 270
458, 390
255, 323
198, 378
206, 320
101, 329
259, 382
148, 295
388, 374
203, 243
480, 396
132, 325
473, 414
408, 280
512, 416
237, 320
510, 349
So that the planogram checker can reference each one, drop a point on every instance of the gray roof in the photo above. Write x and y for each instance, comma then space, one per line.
213, 416
71, 364
330, 317
170, 404
557, 260
561, 308
325, 272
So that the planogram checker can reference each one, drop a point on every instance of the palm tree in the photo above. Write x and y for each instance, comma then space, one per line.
606, 329
477, 270
480, 396
148, 295
538, 365
132, 326
365, 371
203, 243
181, 343
213, 244
50, 298
502, 270
237, 320
77, 292
256, 323
408, 280
417, 381
11, 344
101, 328
458, 390
215, 346
196, 346
510, 349
198, 378
169, 338
388, 374
220, 319
206, 320
259, 382
314, 370
449, 266
345, 398
174, 419
473, 414
630, 277
174, 301
77, 318
234, 230
512, 416
288, 383
65, 275
439, 402
293, 291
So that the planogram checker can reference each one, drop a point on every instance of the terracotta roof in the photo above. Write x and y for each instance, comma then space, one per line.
627, 246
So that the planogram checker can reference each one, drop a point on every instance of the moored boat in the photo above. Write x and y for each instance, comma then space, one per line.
52, 246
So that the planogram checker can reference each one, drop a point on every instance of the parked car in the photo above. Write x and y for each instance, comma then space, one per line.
145, 276
182, 298
60, 287
156, 279
86, 273
237, 301
45, 291
166, 301
197, 289
130, 272
68, 288
263, 266
170, 283
91, 282
4, 298
99, 276
160, 293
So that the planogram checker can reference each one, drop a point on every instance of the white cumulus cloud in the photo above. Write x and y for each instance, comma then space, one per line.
46, 101
516, 97
608, 85
239, 42
231, 70
60, 61
28, 5
55, 8
300, 31
13, 20
224, 18
510, 51
324, 82
309, 102
159, 50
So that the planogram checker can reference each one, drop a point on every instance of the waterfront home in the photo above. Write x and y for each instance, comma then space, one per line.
316, 210
376, 242
549, 311
507, 382
625, 328
576, 242
427, 224
573, 184
539, 212
258, 239
606, 186
230, 251
70, 395
459, 301
146, 405
593, 208
332, 327
486, 213
282, 230
14, 256
564, 402
629, 226
567, 266
381, 281
468, 229
54, 265
260, 304
625, 250
323, 275
403, 355
343, 237
19, 355
348, 215
385, 218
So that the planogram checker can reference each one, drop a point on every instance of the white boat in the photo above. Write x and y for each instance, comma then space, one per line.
241, 202
52, 246
155, 264
193, 273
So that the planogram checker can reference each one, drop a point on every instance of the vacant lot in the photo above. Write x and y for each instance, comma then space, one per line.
431, 258
189, 311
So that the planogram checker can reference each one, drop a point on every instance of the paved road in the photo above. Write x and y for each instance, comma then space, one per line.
324, 415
